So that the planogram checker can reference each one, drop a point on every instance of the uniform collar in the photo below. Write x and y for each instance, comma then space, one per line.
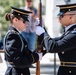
13, 28
70, 27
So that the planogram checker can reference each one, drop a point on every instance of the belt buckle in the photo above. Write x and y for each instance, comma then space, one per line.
63, 63
68, 64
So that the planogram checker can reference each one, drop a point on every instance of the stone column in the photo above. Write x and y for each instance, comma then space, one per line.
49, 16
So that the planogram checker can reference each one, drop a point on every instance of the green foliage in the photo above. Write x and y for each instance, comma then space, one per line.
5, 8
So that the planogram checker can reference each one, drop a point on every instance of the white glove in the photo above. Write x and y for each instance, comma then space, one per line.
39, 30
40, 55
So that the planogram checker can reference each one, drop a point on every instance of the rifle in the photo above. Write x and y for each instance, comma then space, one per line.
40, 12
39, 50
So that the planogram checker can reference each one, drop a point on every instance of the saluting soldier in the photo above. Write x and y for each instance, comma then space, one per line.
17, 55
65, 45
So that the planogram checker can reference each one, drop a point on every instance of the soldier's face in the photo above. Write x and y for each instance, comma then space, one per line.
29, 4
65, 19
20, 24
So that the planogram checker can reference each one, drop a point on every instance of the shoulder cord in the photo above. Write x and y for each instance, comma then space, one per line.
5, 41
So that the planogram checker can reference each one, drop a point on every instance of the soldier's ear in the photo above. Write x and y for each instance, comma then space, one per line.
71, 17
15, 19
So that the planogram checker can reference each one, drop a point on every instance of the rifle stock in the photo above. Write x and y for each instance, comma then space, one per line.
38, 68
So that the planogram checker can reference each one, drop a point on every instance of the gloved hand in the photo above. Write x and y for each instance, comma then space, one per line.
39, 30
40, 55
42, 50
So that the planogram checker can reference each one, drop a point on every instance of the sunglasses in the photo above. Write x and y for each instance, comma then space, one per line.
61, 16
23, 21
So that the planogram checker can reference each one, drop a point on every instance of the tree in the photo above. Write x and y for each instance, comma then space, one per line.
5, 8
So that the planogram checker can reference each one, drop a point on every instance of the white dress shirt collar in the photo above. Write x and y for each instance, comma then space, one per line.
66, 28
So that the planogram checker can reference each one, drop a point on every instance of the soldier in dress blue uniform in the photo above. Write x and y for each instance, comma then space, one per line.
65, 45
17, 55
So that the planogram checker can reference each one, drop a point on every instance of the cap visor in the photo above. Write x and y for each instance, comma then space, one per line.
25, 18
61, 13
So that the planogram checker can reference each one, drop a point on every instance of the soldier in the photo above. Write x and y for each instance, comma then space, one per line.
17, 55
65, 45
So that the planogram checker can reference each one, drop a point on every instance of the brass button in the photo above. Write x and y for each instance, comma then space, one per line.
62, 52
25, 45
70, 71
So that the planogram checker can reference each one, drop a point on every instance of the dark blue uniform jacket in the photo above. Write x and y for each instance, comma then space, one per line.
16, 50
65, 46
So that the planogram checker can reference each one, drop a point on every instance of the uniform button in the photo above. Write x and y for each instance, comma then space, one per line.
62, 52
44, 48
25, 45
70, 71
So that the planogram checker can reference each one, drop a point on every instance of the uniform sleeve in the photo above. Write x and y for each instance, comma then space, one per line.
32, 56
64, 44
13, 46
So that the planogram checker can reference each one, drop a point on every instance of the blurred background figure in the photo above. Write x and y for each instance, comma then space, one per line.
29, 33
